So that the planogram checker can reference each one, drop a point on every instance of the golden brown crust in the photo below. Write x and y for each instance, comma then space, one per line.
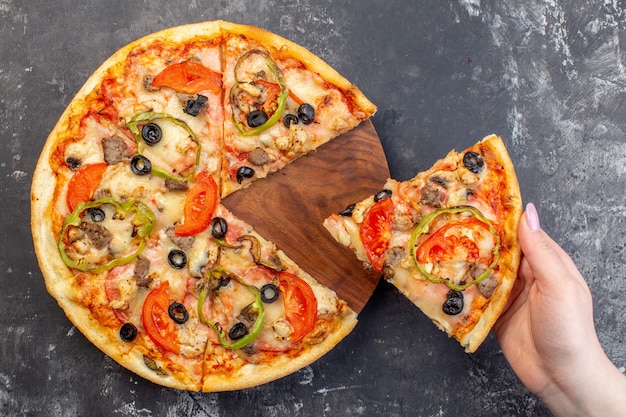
48, 211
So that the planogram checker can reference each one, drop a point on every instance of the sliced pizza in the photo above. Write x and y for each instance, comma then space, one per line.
447, 238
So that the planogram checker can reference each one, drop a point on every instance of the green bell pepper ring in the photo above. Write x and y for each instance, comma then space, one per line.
281, 100
143, 222
423, 227
257, 307
151, 116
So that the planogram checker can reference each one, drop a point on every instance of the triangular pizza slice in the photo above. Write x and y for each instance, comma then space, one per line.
447, 238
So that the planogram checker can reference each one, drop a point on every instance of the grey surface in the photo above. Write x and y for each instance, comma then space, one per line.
549, 76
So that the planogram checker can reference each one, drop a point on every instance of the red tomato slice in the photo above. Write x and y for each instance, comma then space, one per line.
156, 320
441, 246
84, 183
300, 305
189, 77
375, 232
200, 205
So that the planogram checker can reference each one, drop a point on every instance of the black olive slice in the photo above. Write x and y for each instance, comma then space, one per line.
290, 119
348, 210
473, 161
97, 214
222, 282
178, 312
238, 331
381, 195
128, 332
256, 118
219, 227
151, 133
454, 303
244, 172
306, 113
73, 163
193, 107
269, 293
177, 259
140, 165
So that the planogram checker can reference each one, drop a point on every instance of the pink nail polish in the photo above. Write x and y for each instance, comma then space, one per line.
532, 217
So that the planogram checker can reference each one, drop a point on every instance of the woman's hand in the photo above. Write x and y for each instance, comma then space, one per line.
548, 335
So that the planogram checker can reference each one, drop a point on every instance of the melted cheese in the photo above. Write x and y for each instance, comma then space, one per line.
92, 134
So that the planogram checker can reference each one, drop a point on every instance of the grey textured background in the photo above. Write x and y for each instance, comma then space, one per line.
549, 76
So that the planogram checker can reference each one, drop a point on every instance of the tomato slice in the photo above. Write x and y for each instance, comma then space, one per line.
443, 246
375, 232
300, 305
200, 205
156, 321
189, 77
84, 183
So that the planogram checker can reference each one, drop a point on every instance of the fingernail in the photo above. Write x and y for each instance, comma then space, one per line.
532, 217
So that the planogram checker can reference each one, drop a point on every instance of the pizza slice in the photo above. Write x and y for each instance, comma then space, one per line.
447, 238
280, 102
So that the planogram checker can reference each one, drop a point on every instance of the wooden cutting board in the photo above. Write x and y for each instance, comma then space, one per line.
289, 207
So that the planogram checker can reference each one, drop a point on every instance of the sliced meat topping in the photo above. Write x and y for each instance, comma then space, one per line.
99, 236
258, 157
115, 150
174, 185
183, 242
488, 285
431, 196
142, 267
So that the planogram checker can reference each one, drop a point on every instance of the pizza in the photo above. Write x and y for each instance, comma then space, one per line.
127, 217
447, 238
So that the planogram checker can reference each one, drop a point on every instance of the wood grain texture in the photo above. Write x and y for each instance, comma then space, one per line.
289, 207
